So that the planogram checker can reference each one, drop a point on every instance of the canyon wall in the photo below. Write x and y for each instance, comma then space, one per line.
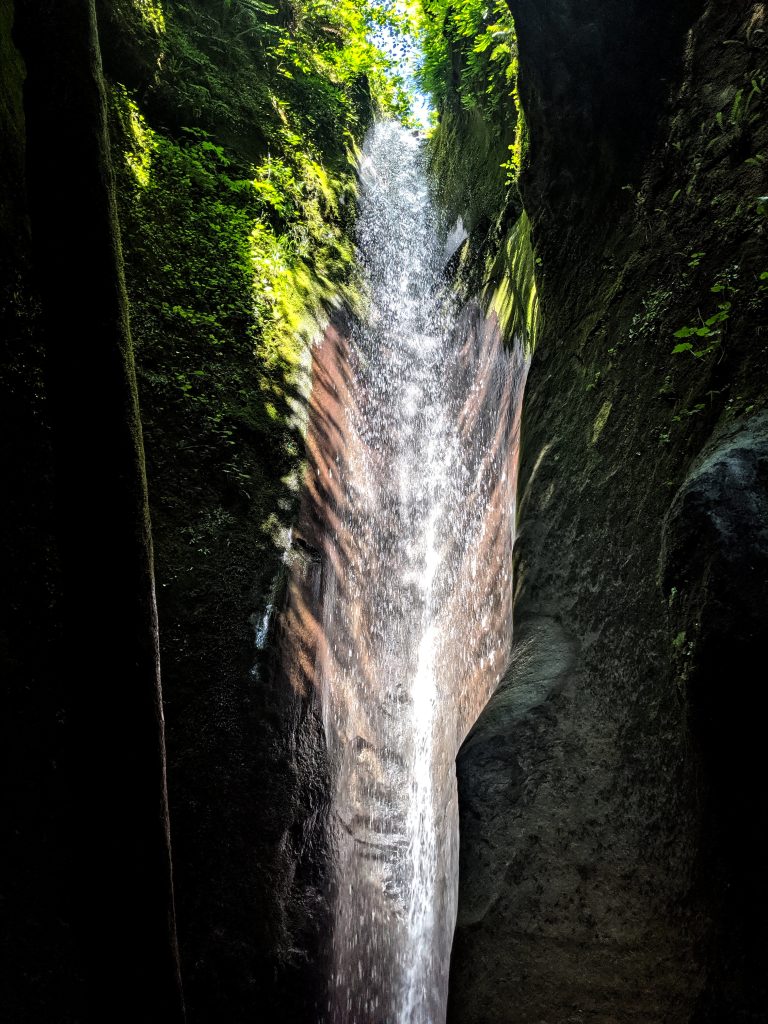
610, 794
612, 812
83, 715
235, 187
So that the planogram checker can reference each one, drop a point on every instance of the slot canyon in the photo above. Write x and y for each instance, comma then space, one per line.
384, 441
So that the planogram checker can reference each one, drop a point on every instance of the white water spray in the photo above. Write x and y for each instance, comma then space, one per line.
416, 609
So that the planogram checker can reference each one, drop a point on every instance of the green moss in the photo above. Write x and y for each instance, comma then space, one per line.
505, 282
470, 51
283, 78
151, 13
467, 162
477, 151
137, 139
470, 69
229, 278
600, 421
237, 196
512, 293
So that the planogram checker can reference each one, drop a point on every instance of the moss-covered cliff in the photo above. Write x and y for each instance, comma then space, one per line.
237, 197
611, 808
233, 130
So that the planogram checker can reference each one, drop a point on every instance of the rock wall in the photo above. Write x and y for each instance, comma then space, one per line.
41, 968
609, 794
219, 161
88, 826
237, 199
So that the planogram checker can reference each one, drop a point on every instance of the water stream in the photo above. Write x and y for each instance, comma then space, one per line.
417, 601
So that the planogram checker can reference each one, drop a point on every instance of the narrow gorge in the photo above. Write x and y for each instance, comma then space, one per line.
413, 448
385, 460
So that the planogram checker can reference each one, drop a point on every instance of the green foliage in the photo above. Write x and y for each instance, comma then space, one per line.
151, 13
222, 296
470, 60
470, 70
709, 330
655, 304
279, 76
734, 124
236, 219
477, 149
237, 196
479, 38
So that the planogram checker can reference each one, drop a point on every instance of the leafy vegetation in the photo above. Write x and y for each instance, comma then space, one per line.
469, 69
291, 76
215, 293
477, 148
237, 194
477, 39
734, 124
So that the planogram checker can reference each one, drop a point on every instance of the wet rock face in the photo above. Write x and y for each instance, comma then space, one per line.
492, 771
715, 564
611, 814
558, 918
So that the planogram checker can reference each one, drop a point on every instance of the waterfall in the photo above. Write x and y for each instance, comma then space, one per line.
416, 590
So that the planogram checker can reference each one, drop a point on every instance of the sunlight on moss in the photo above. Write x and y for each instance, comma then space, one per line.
270, 252
512, 294
151, 13
138, 137
237, 210
518, 149
600, 420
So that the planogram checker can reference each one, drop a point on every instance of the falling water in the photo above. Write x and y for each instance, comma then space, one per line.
416, 600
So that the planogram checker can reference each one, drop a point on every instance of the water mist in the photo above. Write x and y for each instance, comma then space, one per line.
416, 600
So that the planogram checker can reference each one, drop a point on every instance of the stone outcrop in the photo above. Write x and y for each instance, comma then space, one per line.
715, 578
610, 808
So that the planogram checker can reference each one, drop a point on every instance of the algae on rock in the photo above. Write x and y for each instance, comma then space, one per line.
235, 128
